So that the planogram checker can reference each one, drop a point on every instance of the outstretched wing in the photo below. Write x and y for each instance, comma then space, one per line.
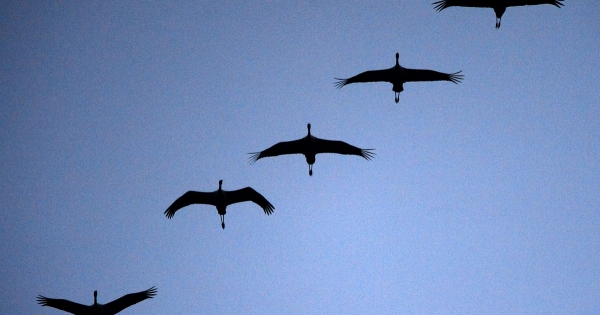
414, 75
341, 147
385, 75
127, 300
286, 147
441, 5
516, 3
249, 194
64, 305
190, 197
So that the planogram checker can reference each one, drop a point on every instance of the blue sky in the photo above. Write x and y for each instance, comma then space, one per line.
483, 198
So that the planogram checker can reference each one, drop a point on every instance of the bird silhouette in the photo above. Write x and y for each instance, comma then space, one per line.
311, 146
111, 308
398, 75
221, 199
499, 6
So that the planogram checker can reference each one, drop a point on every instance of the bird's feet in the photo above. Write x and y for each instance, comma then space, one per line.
223, 225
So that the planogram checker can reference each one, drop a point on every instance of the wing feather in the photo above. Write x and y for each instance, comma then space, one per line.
64, 305
127, 300
190, 197
286, 147
385, 75
249, 194
415, 75
341, 147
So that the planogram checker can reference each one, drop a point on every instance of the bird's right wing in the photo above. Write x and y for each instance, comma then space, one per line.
190, 197
286, 147
441, 5
341, 147
127, 300
385, 75
415, 75
249, 194
516, 3
64, 305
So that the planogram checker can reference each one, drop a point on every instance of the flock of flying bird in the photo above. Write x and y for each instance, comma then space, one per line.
309, 146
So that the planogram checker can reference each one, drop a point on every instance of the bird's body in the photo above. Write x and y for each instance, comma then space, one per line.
220, 199
398, 75
310, 146
111, 308
499, 6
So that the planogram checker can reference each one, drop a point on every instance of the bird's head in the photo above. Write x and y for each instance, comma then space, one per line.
397, 56
308, 126
95, 296
220, 183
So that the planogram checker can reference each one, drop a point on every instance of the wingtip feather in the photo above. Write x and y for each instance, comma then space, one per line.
340, 83
456, 77
440, 5
368, 154
169, 213
150, 293
253, 158
42, 300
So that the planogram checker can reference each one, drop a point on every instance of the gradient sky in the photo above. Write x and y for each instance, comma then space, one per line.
483, 198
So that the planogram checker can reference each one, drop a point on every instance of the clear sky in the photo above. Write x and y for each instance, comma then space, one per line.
483, 198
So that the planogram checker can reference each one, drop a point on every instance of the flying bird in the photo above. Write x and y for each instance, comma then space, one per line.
220, 199
398, 75
499, 6
104, 309
311, 146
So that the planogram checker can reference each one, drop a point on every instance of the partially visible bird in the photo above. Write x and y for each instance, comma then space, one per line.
220, 199
311, 146
98, 309
398, 75
499, 6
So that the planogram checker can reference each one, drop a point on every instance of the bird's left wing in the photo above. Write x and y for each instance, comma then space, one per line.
64, 305
414, 75
516, 3
249, 194
285, 147
127, 300
341, 147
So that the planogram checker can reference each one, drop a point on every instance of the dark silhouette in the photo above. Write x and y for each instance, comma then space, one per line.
220, 199
398, 75
499, 6
310, 146
104, 309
